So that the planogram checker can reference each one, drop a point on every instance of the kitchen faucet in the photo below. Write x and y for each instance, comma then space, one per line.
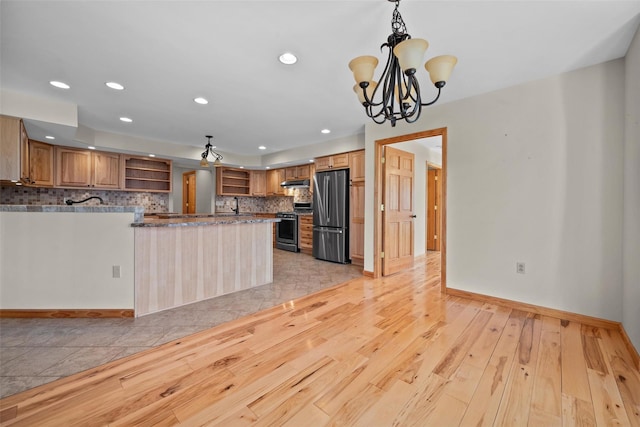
71, 202
237, 208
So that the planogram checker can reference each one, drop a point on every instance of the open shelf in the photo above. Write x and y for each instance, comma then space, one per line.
146, 174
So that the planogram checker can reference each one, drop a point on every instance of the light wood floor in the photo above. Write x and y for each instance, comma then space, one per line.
383, 352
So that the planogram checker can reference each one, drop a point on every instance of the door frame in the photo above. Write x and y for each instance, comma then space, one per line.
377, 200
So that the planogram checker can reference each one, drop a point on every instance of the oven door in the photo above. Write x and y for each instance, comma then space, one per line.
287, 234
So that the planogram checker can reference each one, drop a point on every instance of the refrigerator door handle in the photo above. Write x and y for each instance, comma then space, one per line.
328, 230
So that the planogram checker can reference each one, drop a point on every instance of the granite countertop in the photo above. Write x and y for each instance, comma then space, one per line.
183, 221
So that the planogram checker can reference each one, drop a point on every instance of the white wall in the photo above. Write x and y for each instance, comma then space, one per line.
534, 175
631, 242
63, 260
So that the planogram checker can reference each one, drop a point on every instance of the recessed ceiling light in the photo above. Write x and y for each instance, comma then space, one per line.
288, 58
262, 147
60, 85
241, 167
201, 100
91, 147
152, 155
126, 119
310, 160
114, 85
50, 137
325, 131
268, 167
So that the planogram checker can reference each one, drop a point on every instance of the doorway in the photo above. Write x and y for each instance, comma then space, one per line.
189, 192
378, 194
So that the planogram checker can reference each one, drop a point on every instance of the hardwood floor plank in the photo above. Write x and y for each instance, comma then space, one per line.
547, 386
577, 412
484, 404
607, 403
516, 402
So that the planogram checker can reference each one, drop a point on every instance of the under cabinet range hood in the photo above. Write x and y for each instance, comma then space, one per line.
295, 183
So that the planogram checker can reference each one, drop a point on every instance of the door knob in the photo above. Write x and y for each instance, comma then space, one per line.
413, 216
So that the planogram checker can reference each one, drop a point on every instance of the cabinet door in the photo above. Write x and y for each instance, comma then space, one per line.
290, 173
73, 167
258, 183
40, 164
323, 163
10, 149
25, 169
274, 179
356, 231
356, 166
106, 170
302, 172
340, 161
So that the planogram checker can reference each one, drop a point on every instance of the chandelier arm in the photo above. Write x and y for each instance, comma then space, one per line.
434, 100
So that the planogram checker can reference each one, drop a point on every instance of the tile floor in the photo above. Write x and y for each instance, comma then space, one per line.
38, 351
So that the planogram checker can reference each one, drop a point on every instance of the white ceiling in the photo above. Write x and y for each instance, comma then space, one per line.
168, 52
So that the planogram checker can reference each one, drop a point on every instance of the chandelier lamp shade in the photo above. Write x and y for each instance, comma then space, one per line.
208, 149
396, 95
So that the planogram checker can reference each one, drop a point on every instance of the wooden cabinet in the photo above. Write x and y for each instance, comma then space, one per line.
274, 179
233, 182
73, 167
106, 170
258, 183
146, 174
356, 166
297, 172
336, 161
87, 168
356, 205
13, 149
39, 165
305, 233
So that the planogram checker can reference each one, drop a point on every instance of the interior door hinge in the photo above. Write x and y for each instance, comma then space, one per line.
435, 207
382, 160
436, 177
435, 237
382, 207
381, 254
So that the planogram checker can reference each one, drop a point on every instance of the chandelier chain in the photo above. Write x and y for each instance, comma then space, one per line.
398, 26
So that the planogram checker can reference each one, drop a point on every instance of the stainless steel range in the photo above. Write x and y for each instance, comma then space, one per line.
287, 228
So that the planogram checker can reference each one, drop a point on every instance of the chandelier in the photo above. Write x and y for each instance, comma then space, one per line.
208, 149
396, 96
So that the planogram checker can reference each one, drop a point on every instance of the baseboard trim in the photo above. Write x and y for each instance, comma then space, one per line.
366, 273
632, 350
545, 311
552, 312
66, 314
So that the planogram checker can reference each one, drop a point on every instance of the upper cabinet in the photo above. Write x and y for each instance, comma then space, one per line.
336, 161
258, 183
233, 182
13, 148
146, 174
274, 179
39, 164
87, 168
356, 166
297, 172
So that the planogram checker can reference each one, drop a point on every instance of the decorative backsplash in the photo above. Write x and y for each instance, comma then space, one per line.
264, 204
19, 195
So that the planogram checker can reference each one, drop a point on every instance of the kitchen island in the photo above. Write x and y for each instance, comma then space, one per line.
181, 260
110, 261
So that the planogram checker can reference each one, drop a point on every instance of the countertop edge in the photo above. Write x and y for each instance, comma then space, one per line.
203, 222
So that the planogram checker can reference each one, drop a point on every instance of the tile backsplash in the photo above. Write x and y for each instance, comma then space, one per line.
264, 204
19, 195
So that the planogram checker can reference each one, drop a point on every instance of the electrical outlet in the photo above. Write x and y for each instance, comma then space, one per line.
520, 267
115, 271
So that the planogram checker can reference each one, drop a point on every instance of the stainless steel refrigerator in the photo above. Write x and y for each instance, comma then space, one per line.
331, 216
